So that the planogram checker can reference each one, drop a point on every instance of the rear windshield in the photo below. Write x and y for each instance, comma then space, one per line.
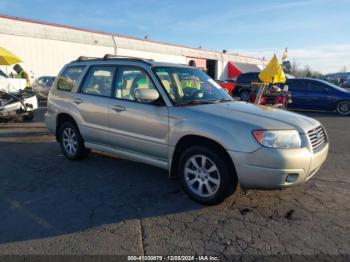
248, 78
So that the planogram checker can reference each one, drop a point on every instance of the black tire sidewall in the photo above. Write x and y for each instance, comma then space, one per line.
228, 182
340, 112
242, 92
81, 150
29, 116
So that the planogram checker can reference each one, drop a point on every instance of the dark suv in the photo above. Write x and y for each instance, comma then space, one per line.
243, 85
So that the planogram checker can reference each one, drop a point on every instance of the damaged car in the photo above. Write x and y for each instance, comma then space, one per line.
15, 100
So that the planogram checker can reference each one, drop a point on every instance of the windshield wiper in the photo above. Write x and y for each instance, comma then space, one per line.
221, 100
197, 101
193, 102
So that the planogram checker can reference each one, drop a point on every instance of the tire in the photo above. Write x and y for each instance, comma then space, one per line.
72, 144
244, 95
198, 182
343, 108
28, 117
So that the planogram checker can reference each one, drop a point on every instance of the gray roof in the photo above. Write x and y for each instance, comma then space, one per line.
245, 68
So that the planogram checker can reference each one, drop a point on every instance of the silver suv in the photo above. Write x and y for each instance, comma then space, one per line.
177, 118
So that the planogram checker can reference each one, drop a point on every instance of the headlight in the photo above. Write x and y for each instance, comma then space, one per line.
278, 138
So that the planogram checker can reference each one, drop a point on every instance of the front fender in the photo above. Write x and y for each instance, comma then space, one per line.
231, 137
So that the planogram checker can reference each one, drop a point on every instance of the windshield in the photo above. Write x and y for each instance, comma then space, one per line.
190, 86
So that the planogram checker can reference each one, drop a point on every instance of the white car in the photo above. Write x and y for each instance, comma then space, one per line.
15, 100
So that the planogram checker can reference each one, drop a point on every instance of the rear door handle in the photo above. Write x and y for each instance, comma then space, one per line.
118, 108
78, 101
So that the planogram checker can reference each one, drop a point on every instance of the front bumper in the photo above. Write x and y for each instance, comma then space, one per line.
17, 107
269, 168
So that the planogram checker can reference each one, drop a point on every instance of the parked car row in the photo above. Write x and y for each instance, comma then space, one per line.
307, 93
177, 118
42, 86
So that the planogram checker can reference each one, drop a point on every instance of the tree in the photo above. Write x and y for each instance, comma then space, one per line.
307, 71
344, 69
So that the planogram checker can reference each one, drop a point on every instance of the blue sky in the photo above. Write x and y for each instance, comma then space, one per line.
317, 32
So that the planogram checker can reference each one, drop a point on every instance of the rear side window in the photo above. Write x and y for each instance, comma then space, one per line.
98, 81
68, 79
316, 87
297, 86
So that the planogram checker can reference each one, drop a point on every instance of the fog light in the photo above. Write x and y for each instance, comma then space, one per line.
291, 178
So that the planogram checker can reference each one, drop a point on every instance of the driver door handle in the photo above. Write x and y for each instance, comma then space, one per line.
78, 101
118, 108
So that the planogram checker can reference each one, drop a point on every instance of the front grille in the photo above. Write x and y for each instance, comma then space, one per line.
318, 138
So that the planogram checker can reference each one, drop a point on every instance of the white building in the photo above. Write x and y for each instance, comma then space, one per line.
45, 48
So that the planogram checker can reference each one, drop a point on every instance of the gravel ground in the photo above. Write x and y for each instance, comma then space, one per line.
106, 205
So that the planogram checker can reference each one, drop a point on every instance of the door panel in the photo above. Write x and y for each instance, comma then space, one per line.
93, 103
94, 112
300, 95
320, 98
137, 126
141, 128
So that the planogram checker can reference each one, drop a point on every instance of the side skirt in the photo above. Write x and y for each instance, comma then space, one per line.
129, 155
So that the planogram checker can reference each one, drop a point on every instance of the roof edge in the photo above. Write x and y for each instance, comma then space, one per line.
33, 21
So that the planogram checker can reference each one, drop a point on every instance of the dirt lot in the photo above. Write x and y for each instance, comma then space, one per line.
106, 205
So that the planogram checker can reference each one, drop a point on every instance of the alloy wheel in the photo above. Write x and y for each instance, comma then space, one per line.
70, 141
343, 108
202, 176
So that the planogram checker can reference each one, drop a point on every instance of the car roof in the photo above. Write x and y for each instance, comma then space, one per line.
303, 79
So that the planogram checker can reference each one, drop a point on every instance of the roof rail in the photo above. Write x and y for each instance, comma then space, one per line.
83, 58
110, 56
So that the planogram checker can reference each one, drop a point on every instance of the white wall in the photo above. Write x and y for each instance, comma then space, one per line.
47, 57
152, 55
45, 48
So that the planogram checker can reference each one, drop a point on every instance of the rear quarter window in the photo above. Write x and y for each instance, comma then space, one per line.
68, 79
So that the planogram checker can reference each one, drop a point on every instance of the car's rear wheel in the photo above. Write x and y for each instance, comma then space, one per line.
343, 108
205, 176
72, 144
244, 95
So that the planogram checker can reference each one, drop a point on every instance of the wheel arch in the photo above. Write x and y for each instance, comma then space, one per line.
188, 141
62, 118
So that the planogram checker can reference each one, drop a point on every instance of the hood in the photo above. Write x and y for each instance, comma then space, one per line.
260, 117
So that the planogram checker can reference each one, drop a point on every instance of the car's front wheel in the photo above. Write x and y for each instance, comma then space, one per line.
244, 95
72, 144
343, 108
205, 176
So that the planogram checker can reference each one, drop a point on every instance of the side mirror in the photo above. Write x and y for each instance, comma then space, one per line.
146, 95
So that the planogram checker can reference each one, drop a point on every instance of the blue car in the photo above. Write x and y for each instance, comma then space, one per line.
314, 94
